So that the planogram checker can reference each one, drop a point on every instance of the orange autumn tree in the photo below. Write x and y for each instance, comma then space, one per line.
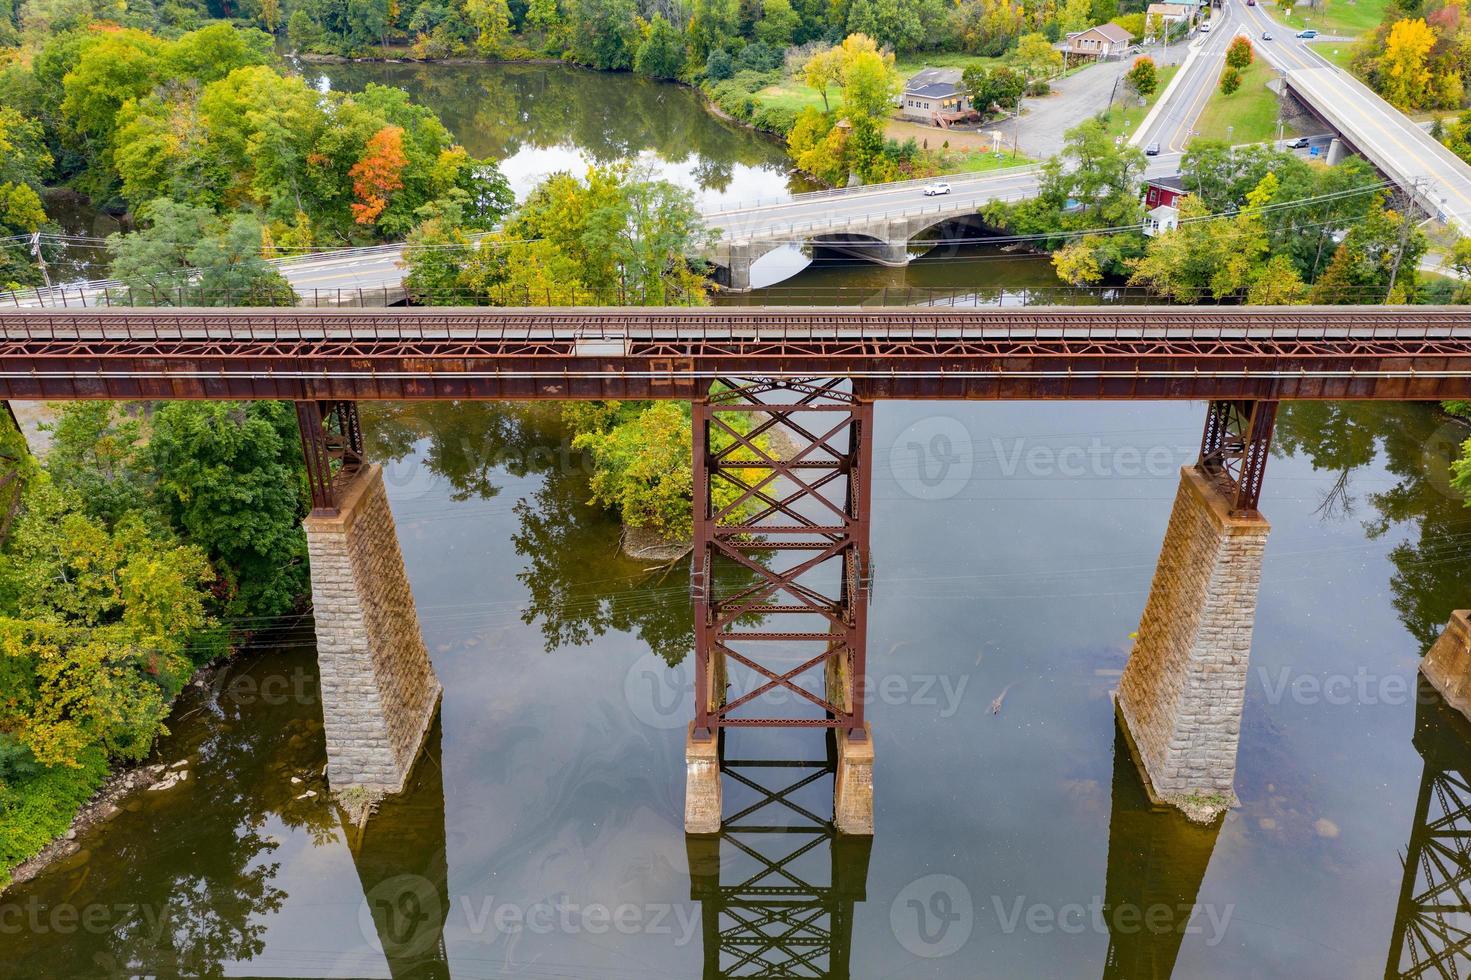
378, 174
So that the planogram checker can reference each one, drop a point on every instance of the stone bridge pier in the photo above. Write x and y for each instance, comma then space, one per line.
1179, 699
379, 692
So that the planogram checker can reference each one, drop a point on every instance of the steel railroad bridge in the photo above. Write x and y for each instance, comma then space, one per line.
780, 576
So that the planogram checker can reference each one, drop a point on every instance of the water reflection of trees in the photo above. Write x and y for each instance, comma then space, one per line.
579, 584
498, 110
186, 892
1415, 443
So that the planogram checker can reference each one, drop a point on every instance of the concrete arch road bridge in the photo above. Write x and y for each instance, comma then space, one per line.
781, 570
878, 223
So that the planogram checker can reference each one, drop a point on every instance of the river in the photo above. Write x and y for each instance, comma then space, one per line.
542, 836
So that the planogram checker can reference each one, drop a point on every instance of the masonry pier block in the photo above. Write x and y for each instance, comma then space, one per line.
702, 800
1447, 666
853, 783
1180, 695
379, 692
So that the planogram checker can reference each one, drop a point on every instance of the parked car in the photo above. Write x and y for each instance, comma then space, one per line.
1205, 28
1301, 143
1308, 34
938, 187
1152, 150
1266, 35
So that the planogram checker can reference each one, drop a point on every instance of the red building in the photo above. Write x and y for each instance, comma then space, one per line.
1164, 191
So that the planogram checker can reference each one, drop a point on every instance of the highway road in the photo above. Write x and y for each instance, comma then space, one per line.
1191, 88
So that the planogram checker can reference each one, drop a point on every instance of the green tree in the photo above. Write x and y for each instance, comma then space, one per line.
230, 477
1036, 57
1230, 80
492, 22
606, 34
94, 629
661, 54
188, 256
778, 24
997, 86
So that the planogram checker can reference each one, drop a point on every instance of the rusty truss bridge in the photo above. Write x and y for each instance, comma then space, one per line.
782, 446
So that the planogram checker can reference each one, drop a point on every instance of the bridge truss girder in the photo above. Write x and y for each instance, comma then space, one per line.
781, 492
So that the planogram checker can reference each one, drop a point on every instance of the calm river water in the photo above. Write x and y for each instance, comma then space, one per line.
542, 833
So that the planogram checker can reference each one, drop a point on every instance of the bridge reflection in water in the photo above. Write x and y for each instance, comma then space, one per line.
401, 860
1156, 862
1432, 926
778, 884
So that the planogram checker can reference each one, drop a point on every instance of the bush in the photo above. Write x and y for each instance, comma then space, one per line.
1039, 86
759, 56
774, 119
1230, 81
36, 810
719, 66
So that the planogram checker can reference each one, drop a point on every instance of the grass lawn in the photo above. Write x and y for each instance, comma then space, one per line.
793, 94
1338, 52
1336, 16
1123, 121
909, 64
973, 161
1250, 112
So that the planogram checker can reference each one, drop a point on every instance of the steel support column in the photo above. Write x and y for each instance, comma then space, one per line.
1234, 450
332, 442
781, 496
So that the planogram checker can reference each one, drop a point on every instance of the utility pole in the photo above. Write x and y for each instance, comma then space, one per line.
1404, 236
40, 259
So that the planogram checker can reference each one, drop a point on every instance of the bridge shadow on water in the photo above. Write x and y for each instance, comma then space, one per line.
777, 886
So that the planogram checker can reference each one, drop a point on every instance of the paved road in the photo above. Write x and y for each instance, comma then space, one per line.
1397, 146
336, 278
1181, 104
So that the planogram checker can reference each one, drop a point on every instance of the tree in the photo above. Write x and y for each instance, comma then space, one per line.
378, 174
492, 22
997, 86
189, 257
1230, 80
778, 23
894, 23
95, 625
720, 66
1239, 53
614, 237
870, 82
1458, 260
606, 34
1036, 57
661, 54
231, 478
1142, 76
1402, 72
822, 71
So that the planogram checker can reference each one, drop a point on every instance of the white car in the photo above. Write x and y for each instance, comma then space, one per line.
937, 188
